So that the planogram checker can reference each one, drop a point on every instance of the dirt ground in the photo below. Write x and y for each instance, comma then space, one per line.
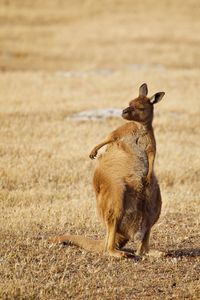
62, 57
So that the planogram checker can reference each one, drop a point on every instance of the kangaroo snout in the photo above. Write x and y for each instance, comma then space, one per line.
127, 110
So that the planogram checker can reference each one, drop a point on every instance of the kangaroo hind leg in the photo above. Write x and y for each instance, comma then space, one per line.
111, 239
143, 244
112, 214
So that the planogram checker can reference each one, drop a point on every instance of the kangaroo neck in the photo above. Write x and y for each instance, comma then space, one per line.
145, 126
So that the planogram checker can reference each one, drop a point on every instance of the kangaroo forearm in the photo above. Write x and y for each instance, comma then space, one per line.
111, 138
151, 158
108, 140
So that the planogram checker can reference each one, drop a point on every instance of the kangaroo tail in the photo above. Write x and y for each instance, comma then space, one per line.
81, 241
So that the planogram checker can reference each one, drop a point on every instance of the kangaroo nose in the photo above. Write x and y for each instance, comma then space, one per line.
127, 110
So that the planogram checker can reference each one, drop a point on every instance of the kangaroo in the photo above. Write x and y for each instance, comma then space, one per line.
127, 191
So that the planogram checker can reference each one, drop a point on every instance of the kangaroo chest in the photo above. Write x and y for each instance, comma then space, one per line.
137, 139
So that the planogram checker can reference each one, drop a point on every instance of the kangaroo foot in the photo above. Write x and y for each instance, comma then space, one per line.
120, 254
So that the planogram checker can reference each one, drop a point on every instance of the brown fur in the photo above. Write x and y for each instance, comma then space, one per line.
127, 192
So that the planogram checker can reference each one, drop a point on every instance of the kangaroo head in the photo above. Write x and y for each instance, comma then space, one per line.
141, 108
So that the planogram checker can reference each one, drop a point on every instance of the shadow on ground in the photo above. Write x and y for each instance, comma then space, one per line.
189, 252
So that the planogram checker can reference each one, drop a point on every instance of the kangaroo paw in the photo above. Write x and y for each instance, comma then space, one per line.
120, 254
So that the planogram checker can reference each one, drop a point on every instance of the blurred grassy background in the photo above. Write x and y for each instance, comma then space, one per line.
66, 35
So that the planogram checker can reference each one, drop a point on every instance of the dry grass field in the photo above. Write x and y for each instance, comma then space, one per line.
61, 57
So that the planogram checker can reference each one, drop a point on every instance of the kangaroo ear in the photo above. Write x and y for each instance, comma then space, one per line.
157, 97
143, 90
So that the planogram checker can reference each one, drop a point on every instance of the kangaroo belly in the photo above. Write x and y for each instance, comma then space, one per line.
119, 167
122, 162
124, 168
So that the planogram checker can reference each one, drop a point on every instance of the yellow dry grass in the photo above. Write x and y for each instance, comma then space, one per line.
45, 173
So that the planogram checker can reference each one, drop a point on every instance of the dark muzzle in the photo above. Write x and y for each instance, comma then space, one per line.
127, 110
